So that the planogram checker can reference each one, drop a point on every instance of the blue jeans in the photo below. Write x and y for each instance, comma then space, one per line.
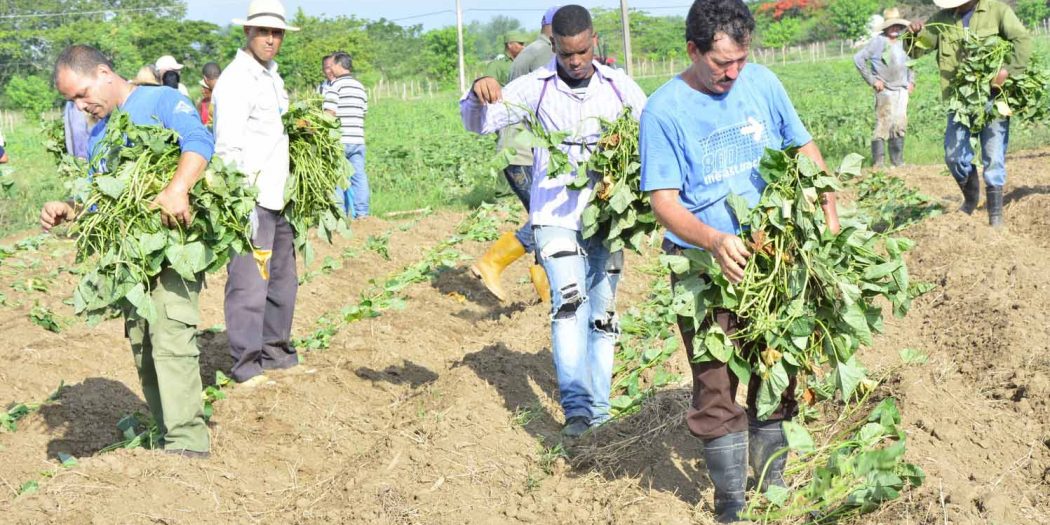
958, 153
520, 180
583, 277
357, 193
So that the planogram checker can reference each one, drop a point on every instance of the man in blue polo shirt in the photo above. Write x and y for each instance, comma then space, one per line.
165, 351
703, 134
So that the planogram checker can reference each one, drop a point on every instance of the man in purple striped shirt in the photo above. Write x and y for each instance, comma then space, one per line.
570, 94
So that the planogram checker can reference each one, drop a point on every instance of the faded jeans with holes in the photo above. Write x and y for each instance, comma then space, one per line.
958, 153
583, 276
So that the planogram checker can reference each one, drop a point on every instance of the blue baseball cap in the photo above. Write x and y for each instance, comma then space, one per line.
549, 15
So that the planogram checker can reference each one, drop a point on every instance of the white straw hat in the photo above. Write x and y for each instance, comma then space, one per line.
167, 63
265, 13
949, 4
892, 17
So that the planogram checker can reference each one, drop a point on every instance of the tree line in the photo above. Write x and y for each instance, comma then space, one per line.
136, 32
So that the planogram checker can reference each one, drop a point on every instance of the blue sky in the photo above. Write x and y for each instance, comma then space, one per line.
430, 13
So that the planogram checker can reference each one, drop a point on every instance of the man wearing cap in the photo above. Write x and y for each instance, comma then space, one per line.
168, 63
513, 245
165, 350
571, 93
499, 67
883, 64
943, 33
539, 52
249, 100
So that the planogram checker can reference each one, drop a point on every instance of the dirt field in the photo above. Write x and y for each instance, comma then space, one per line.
446, 412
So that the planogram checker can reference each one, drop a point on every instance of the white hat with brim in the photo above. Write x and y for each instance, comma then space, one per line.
265, 13
894, 22
167, 63
949, 4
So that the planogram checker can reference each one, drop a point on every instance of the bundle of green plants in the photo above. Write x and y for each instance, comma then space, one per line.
807, 300
854, 468
54, 134
318, 168
121, 232
1024, 96
618, 210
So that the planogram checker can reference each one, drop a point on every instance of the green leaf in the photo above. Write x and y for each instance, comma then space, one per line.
111, 186
717, 343
912, 356
741, 208
187, 259
848, 375
798, 437
851, 165
142, 302
777, 495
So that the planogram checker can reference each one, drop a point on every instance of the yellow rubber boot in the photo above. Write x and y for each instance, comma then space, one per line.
540, 282
506, 250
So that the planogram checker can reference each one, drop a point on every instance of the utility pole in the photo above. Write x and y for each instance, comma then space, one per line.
626, 22
459, 46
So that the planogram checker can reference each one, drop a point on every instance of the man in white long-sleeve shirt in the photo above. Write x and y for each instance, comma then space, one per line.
249, 100
571, 93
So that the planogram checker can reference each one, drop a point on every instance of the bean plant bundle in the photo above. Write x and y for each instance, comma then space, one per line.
54, 133
318, 168
617, 210
807, 299
1024, 96
122, 231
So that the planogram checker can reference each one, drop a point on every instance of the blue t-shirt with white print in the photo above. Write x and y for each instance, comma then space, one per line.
709, 146
163, 106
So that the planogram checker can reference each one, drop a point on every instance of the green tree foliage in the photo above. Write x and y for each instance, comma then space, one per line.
439, 47
851, 16
652, 37
1032, 12
396, 50
31, 94
301, 53
488, 36
783, 32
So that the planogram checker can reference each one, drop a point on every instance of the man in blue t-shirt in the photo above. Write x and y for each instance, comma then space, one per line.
165, 351
703, 134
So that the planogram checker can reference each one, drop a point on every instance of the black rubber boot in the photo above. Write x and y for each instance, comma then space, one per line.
878, 153
726, 459
971, 190
764, 439
994, 194
897, 151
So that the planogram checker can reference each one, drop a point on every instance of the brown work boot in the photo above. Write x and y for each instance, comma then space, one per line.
506, 250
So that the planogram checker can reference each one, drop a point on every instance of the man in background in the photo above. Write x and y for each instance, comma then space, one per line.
883, 64
211, 74
326, 69
347, 99
168, 66
513, 245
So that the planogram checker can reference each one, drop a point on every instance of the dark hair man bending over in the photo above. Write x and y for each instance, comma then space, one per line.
703, 135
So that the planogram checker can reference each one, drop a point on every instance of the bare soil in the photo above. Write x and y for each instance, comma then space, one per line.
446, 411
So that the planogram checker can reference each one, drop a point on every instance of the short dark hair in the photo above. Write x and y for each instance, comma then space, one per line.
571, 20
343, 59
81, 59
170, 79
707, 18
212, 71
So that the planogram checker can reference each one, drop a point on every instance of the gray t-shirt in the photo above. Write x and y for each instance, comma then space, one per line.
886, 61
533, 57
